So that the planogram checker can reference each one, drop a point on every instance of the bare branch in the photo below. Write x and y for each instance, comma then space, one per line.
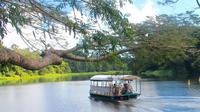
167, 2
198, 3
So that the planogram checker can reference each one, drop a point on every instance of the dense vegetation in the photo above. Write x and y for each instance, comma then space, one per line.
7, 69
170, 47
165, 46
67, 66
113, 64
50, 25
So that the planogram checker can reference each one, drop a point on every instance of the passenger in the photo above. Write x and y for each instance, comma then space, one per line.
125, 89
130, 89
120, 89
116, 90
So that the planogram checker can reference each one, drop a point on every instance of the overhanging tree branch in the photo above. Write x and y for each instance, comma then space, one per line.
54, 57
10, 56
90, 59
51, 57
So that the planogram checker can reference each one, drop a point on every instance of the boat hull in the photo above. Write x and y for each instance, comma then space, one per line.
117, 98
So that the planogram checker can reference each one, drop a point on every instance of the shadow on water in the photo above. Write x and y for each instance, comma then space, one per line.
78, 78
171, 96
112, 106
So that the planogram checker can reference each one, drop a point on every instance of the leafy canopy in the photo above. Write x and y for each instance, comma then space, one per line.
56, 19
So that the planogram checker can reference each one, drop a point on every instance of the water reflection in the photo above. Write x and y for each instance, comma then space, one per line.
73, 96
44, 79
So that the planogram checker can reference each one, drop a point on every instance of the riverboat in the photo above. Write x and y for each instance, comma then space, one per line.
115, 87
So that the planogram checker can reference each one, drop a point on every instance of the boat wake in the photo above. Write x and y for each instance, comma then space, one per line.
163, 104
170, 97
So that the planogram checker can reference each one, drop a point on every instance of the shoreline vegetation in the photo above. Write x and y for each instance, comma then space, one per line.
56, 77
28, 79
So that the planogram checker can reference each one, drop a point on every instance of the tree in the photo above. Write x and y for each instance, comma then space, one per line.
53, 21
51, 18
168, 44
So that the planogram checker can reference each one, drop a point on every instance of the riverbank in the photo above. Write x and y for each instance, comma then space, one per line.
26, 79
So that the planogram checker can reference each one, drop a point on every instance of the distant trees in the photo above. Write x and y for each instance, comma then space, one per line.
169, 46
101, 66
115, 63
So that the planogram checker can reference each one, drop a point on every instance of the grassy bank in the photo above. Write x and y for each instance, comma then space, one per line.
12, 80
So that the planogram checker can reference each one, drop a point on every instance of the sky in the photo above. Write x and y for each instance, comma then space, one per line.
138, 12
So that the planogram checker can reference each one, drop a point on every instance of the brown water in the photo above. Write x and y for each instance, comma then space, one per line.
72, 96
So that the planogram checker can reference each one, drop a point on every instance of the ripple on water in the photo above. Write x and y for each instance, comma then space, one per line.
168, 104
73, 97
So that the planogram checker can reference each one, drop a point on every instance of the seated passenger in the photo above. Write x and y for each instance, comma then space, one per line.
125, 89
114, 89
130, 89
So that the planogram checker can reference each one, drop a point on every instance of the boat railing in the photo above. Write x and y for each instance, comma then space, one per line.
106, 90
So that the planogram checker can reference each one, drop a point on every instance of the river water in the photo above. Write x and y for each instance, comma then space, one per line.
73, 96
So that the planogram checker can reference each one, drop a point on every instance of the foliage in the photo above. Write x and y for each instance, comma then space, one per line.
7, 69
61, 69
13, 80
169, 46
95, 66
56, 19
12, 70
10, 13
115, 63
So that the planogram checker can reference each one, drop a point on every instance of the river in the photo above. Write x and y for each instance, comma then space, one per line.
72, 96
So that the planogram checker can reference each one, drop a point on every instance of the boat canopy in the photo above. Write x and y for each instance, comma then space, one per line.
114, 77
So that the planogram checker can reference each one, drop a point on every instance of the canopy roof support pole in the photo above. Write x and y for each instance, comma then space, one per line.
140, 87
136, 85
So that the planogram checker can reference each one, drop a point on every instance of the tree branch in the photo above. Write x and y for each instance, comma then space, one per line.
7, 55
90, 59
198, 3
51, 57
54, 57
63, 52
